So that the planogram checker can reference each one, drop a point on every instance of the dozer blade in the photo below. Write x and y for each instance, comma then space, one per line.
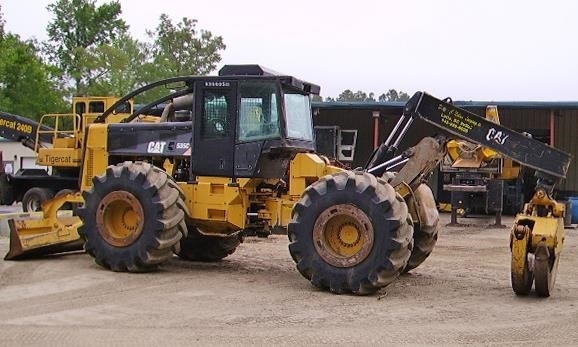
52, 232
35, 237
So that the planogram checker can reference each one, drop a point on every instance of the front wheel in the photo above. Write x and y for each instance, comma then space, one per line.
350, 232
425, 233
132, 218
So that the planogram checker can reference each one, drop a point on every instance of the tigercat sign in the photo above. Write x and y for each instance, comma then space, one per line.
56, 160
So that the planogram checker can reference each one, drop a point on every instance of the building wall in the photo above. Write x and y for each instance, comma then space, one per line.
17, 155
566, 139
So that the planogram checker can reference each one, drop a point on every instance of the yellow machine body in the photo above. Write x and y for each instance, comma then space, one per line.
217, 205
536, 242
67, 130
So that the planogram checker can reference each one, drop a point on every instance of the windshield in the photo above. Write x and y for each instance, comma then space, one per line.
258, 111
298, 113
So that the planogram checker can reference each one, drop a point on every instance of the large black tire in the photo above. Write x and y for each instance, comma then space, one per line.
350, 232
34, 197
425, 233
133, 218
545, 270
208, 248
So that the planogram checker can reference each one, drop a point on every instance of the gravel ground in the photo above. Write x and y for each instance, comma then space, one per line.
460, 295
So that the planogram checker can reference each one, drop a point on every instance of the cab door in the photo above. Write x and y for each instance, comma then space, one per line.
214, 128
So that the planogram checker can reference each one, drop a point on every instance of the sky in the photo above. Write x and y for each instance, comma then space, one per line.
492, 50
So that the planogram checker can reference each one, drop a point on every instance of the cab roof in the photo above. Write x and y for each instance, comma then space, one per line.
258, 70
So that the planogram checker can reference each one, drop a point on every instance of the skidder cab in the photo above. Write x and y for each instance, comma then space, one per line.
247, 122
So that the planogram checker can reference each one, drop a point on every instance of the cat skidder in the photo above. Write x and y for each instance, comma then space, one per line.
235, 152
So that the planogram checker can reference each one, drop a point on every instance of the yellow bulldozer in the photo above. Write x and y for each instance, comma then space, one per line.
235, 152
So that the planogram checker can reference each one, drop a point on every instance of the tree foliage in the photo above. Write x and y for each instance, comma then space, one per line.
182, 49
360, 96
1, 23
348, 95
117, 68
26, 83
79, 27
394, 95
89, 52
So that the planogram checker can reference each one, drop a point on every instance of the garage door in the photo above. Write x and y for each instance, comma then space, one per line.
30, 163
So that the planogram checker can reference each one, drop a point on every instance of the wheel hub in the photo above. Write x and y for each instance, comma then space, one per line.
120, 218
343, 235
349, 235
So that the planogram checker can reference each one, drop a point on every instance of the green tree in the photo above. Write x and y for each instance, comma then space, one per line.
394, 95
346, 95
26, 83
1, 23
78, 27
182, 49
359, 96
117, 68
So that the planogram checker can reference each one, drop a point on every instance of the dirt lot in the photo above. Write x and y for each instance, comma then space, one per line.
460, 295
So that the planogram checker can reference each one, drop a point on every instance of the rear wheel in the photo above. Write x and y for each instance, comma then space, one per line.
545, 270
522, 261
132, 218
425, 233
209, 248
350, 232
34, 197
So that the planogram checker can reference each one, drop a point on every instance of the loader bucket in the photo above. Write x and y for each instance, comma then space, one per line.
48, 232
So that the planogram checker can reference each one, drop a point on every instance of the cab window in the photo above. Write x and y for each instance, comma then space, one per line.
80, 108
258, 111
215, 110
96, 107
125, 107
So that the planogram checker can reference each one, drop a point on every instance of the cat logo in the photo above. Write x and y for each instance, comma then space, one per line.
156, 146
